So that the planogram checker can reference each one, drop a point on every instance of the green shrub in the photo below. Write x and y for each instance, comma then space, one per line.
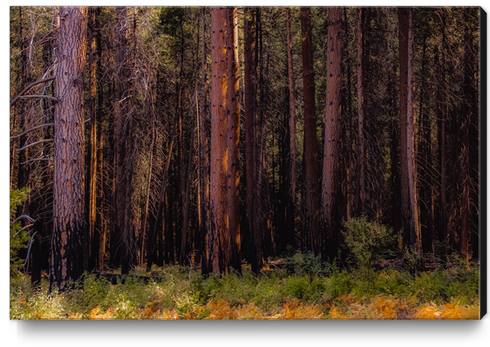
307, 263
18, 237
366, 241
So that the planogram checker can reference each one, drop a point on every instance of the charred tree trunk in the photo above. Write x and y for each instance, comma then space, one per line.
68, 209
204, 153
407, 124
250, 90
91, 177
292, 137
361, 152
311, 238
469, 106
124, 146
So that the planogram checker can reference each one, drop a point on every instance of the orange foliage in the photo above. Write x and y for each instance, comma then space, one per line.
447, 311
220, 310
94, 314
297, 310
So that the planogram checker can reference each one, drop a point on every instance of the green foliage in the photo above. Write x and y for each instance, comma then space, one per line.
367, 241
413, 259
303, 263
171, 295
18, 237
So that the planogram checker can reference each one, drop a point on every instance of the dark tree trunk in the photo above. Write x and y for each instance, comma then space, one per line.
407, 123
290, 209
91, 243
330, 177
204, 153
311, 239
250, 90
361, 151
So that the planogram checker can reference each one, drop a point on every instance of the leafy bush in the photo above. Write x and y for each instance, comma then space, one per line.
303, 264
366, 241
18, 237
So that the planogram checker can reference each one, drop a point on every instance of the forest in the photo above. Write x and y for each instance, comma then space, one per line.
328, 154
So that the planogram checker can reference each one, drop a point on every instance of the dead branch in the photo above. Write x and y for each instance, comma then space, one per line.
34, 143
31, 129
29, 86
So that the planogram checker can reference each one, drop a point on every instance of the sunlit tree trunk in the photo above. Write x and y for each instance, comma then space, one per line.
233, 136
219, 157
68, 196
91, 177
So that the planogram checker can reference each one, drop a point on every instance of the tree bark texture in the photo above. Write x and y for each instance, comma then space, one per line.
361, 154
311, 239
219, 127
407, 124
250, 91
292, 135
233, 137
330, 172
68, 216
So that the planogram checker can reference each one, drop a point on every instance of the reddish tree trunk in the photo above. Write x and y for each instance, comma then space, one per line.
219, 164
233, 137
68, 195
332, 131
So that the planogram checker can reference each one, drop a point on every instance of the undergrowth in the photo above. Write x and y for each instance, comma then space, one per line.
446, 293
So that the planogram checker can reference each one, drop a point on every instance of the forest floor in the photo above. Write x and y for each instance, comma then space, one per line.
295, 291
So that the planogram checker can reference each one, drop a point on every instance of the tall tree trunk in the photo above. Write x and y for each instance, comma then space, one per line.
204, 152
100, 224
361, 196
311, 240
348, 126
469, 107
23, 168
332, 132
233, 138
292, 135
218, 180
407, 123
91, 177
424, 185
250, 90
68, 205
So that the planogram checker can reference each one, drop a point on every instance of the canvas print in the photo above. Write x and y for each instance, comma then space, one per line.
248, 163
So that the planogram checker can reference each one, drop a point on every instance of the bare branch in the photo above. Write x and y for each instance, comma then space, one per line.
29, 86
38, 97
34, 143
31, 129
